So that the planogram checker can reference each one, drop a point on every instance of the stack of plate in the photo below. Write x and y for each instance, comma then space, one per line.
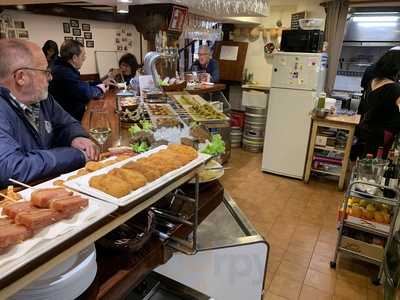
66, 281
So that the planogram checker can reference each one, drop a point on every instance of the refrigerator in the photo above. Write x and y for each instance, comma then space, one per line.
297, 79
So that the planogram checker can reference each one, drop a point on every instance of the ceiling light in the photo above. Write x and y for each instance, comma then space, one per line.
122, 8
376, 19
124, 1
21, 7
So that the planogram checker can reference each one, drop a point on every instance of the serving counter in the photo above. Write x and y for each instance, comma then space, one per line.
211, 207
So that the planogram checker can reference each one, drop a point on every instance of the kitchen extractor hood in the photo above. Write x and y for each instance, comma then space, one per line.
373, 28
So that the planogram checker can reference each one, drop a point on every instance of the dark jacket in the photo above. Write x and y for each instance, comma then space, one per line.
212, 68
70, 91
26, 154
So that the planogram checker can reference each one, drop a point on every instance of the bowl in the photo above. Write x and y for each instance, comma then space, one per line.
310, 24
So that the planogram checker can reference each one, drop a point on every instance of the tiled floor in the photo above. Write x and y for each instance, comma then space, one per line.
299, 222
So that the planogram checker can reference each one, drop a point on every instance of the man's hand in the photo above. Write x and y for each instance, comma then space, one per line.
109, 81
86, 145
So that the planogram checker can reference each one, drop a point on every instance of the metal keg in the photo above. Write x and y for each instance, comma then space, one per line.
251, 144
254, 129
236, 137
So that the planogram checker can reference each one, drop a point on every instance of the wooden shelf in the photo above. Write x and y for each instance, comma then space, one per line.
328, 149
325, 172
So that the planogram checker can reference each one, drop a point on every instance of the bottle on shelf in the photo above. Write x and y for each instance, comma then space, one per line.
389, 178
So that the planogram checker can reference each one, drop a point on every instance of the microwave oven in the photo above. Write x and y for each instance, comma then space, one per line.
310, 41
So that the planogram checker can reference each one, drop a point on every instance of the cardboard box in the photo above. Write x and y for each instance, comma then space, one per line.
370, 250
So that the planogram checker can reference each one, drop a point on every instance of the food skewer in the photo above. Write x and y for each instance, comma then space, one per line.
20, 183
7, 197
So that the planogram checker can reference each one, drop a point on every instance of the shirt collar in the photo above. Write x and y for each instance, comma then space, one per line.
19, 103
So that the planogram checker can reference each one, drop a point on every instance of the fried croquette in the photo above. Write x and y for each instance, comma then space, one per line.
151, 174
58, 182
92, 166
110, 184
134, 178
123, 157
82, 172
184, 150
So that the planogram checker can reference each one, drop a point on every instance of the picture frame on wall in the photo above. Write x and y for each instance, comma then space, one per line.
85, 27
11, 34
76, 32
19, 24
74, 23
66, 28
90, 44
2, 28
87, 35
80, 40
3, 35
23, 34
66, 38
8, 21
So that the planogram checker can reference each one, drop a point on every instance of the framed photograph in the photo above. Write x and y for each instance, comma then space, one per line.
130, 44
124, 39
178, 18
89, 44
118, 33
23, 34
129, 33
80, 40
8, 21
85, 27
87, 35
76, 32
11, 34
117, 41
19, 24
119, 48
66, 28
2, 28
66, 38
74, 23
3, 35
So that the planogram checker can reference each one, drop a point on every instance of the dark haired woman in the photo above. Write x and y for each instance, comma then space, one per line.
128, 67
381, 120
50, 50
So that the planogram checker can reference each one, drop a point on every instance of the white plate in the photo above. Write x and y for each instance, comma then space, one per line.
82, 183
52, 235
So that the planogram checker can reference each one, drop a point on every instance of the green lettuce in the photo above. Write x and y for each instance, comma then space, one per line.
216, 147
140, 147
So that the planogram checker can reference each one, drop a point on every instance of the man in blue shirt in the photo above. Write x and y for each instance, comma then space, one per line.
66, 86
38, 139
206, 64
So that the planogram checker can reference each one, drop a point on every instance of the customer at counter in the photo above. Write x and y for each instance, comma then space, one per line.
128, 67
50, 50
38, 139
206, 64
382, 116
67, 88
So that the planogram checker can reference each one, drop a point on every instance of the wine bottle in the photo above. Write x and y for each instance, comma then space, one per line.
389, 177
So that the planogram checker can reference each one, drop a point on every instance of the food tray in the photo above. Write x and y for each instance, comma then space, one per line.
82, 183
198, 100
156, 122
171, 111
53, 235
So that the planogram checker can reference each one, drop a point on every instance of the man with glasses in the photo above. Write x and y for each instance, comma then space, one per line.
206, 64
68, 89
38, 139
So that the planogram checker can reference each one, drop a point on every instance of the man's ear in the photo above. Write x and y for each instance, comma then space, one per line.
20, 77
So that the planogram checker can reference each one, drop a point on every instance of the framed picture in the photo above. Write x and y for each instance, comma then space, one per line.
130, 43
11, 34
80, 40
66, 28
117, 41
8, 21
129, 33
178, 18
2, 28
87, 35
89, 44
19, 24
76, 32
119, 48
66, 38
23, 34
74, 23
85, 27
3, 35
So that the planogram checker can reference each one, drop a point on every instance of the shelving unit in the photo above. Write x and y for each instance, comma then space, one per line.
370, 227
343, 123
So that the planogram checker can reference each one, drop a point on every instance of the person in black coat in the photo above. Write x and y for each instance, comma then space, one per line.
67, 88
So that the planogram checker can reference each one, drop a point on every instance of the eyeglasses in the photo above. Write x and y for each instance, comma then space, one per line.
46, 71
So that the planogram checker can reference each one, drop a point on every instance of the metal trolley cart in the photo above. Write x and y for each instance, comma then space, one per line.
362, 250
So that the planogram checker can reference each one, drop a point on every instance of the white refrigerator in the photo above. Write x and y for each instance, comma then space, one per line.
297, 78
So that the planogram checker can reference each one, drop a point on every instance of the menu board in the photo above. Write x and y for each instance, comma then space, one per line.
294, 23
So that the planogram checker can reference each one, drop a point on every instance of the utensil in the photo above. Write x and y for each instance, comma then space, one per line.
100, 128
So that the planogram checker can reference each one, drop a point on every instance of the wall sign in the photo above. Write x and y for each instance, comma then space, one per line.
294, 24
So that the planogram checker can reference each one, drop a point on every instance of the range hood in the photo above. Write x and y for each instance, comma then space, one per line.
373, 29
